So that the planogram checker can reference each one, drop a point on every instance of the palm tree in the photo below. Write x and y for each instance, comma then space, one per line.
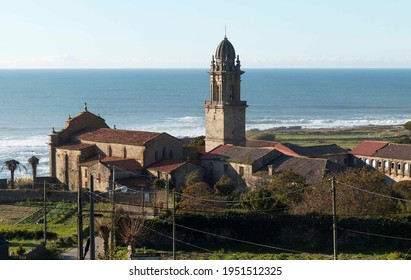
33, 161
12, 165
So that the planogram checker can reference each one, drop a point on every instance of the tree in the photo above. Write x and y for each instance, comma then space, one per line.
263, 199
34, 161
192, 178
407, 125
200, 197
290, 185
104, 229
358, 192
12, 165
402, 190
132, 231
224, 186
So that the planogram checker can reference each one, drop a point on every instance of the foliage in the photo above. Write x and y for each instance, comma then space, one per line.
199, 197
197, 142
104, 229
192, 178
132, 232
224, 186
20, 251
159, 183
358, 192
12, 165
402, 190
407, 125
263, 199
34, 161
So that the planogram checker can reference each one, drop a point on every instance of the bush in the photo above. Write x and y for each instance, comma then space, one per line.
407, 125
263, 199
20, 250
192, 178
224, 186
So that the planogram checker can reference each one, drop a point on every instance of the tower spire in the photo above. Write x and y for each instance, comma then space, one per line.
225, 31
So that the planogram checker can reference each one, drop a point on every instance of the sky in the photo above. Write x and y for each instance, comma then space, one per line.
184, 34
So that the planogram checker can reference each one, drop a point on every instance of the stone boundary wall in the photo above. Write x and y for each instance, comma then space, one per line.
16, 195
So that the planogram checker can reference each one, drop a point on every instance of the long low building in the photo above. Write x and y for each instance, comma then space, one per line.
394, 160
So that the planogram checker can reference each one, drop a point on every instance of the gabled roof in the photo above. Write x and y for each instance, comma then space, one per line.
126, 164
236, 154
310, 151
313, 169
117, 136
76, 146
395, 151
368, 148
166, 165
260, 143
214, 152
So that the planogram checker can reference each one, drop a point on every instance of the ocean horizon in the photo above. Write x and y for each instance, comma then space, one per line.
171, 100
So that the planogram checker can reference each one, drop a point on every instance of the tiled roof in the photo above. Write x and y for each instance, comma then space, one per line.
310, 168
213, 153
312, 151
166, 165
117, 136
368, 148
260, 143
395, 151
126, 164
285, 150
133, 182
76, 146
244, 154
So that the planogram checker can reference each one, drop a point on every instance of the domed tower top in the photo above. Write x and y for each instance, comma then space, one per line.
225, 59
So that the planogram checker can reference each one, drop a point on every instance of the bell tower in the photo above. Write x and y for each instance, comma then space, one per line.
225, 112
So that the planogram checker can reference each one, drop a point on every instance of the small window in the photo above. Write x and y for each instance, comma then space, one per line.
392, 165
164, 152
171, 154
241, 171
125, 152
155, 156
379, 163
85, 173
225, 168
110, 151
398, 166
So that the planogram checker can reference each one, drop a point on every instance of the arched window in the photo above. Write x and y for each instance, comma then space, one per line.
110, 151
124, 152
171, 154
164, 153
155, 156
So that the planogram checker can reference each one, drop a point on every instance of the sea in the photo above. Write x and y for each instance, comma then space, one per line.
33, 102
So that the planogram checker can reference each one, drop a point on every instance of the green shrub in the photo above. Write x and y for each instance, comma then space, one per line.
224, 186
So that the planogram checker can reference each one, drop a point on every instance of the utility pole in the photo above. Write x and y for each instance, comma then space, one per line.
79, 222
113, 212
45, 214
333, 196
167, 190
92, 241
174, 224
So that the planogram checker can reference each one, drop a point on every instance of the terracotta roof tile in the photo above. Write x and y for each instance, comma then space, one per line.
166, 165
368, 148
75, 146
260, 143
126, 164
213, 153
117, 136
313, 151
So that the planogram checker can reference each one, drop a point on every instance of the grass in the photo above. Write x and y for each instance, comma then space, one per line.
344, 137
11, 214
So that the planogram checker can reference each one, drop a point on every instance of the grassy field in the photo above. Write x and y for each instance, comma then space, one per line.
344, 137
11, 214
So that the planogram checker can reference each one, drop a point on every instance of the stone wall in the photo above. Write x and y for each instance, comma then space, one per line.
163, 147
12, 196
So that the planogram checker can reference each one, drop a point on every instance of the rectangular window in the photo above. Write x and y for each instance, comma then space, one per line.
241, 171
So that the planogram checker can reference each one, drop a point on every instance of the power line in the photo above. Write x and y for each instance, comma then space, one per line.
242, 241
374, 193
189, 244
375, 234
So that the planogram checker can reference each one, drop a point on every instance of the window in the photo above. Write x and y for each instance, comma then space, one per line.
392, 165
155, 156
398, 166
85, 173
225, 168
171, 154
241, 171
379, 163
164, 152
125, 152
110, 151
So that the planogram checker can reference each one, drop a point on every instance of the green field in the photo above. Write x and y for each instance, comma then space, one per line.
344, 137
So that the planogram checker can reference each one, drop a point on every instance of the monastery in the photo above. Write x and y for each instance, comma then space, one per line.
86, 147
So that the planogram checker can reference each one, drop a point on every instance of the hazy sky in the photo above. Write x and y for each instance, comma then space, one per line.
184, 34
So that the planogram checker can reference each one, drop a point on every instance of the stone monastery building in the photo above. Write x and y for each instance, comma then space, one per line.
87, 147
